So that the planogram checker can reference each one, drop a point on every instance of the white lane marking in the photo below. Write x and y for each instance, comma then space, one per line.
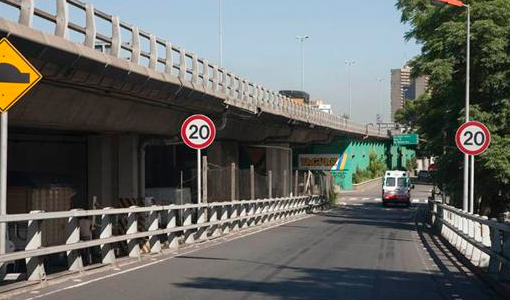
365, 199
353, 198
161, 260
377, 199
416, 200
343, 203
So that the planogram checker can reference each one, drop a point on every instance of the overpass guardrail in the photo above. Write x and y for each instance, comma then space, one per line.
485, 243
165, 226
164, 57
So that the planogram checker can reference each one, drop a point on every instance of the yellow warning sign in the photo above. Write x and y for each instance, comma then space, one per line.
17, 75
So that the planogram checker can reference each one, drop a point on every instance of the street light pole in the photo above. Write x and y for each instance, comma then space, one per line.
380, 118
302, 40
349, 63
468, 194
220, 34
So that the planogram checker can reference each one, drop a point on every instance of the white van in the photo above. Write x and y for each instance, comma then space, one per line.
396, 188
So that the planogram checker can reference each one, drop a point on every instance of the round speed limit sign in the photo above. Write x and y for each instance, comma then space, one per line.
473, 138
198, 131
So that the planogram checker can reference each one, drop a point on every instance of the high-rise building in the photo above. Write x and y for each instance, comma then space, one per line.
403, 88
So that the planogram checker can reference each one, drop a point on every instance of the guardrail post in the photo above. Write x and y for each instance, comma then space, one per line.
471, 234
132, 227
135, 45
505, 269
215, 79
214, 215
486, 240
243, 222
116, 37
74, 261
182, 64
62, 19
224, 217
477, 235
188, 234
464, 243
194, 68
90, 26
169, 59
205, 74
494, 262
153, 56
201, 218
234, 214
154, 241
107, 251
251, 212
35, 265
26, 15
173, 242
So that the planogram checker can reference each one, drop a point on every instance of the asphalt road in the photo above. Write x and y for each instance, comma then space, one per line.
357, 251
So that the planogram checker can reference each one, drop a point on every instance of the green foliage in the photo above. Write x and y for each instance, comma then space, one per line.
411, 164
442, 33
376, 168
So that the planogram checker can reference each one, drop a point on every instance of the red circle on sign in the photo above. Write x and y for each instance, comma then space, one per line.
188, 139
463, 129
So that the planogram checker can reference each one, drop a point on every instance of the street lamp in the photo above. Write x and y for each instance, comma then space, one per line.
220, 34
468, 199
349, 63
301, 39
379, 118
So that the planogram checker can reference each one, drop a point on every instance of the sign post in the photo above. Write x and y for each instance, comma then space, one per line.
17, 77
472, 138
198, 132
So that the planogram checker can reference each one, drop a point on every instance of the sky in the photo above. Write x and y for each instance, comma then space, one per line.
259, 42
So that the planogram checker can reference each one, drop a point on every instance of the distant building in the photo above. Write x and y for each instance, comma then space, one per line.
403, 88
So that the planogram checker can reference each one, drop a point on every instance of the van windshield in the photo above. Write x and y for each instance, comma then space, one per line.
402, 182
390, 181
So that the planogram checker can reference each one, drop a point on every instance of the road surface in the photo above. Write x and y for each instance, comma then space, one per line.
356, 251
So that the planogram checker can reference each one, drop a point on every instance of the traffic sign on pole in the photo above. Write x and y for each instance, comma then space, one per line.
473, 138
198, 132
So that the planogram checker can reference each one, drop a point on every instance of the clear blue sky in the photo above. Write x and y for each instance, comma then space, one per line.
260, 44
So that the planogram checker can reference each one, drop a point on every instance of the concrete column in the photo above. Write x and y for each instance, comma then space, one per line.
102, 169
128, 166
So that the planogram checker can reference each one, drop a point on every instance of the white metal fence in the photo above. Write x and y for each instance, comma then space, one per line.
163, 57
486, 243
165, 227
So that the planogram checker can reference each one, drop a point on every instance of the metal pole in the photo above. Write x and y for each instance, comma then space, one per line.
379, 119
199, 176
468, 65
3, 180
472, 186
220, 33
302, 66
349, 88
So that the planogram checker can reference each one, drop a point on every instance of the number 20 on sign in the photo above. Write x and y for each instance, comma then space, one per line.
473, 138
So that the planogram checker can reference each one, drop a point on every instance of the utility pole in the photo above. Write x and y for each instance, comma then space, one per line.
302, 40
349, 63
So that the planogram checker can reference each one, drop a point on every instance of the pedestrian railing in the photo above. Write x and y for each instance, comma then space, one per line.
199, 222
486, 243
162, 56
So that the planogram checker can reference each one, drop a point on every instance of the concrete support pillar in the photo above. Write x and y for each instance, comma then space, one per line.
128, 166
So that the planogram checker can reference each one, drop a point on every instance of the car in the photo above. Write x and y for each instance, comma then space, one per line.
423, 175
396, 188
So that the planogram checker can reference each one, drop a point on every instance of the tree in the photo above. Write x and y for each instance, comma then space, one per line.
442, 33
409, 115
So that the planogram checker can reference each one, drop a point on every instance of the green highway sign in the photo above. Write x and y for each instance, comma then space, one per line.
405, 139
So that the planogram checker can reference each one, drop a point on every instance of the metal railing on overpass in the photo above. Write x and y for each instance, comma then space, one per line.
485, 243
166, 225
164, 57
